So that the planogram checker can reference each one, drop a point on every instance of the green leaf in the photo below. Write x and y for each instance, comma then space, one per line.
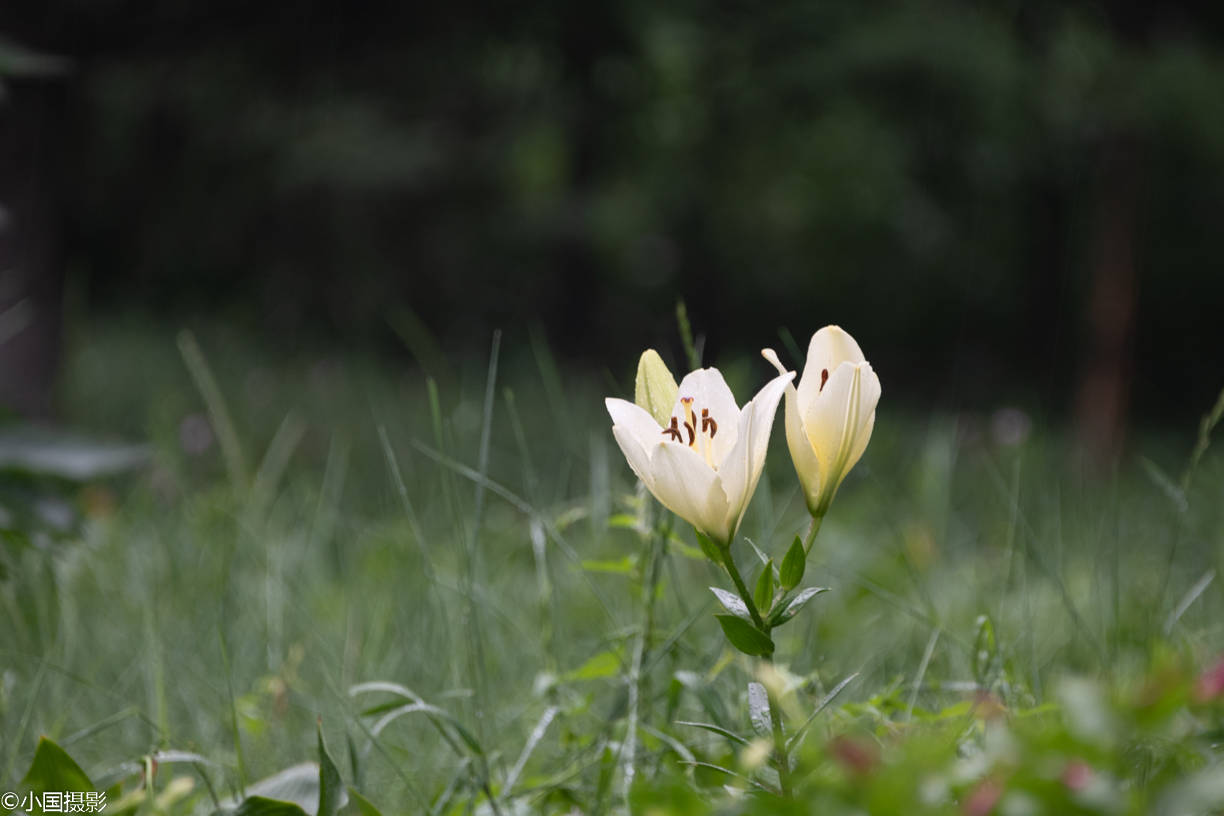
364, 806
678, 547
604, 664
259, 806
785, 613
331, 789
732, 603
297, 786
793, 565
625, 566
758, 709
715, 729
764, 592
745, 637
985, 650
709, 548
53, 770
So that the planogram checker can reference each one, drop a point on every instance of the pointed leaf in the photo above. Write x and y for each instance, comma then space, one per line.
709, 548
53, 770
758, 709
799, 601
715, 729
331, 789
260, 806
732, 603
295, 787
793, 565
764, 592
745, 637
364, 806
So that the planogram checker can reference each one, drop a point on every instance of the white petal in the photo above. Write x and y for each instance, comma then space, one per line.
803, 455
635, 454
869, 397
635, 420
708, 390
860, 444
735, 471
832, 418
741, 469
636, 433
690, 488
828, 349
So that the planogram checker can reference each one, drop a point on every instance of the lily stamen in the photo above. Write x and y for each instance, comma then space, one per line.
674, 431
708, 428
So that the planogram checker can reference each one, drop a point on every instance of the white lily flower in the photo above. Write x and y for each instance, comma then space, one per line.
829, 417
703, 465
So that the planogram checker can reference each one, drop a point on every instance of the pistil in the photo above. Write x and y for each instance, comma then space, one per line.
708, 428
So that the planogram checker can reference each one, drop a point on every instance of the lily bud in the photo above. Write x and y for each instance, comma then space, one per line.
830, 416
655, 388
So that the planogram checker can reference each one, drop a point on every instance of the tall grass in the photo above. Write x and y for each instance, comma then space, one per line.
540, 630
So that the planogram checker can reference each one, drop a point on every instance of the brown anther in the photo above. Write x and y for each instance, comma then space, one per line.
692, 434
824, 377
674, 431
708, 423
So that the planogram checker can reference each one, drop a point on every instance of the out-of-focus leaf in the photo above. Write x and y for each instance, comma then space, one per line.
297, 786
331, 790
604, 664
715, 729
64, 455
625, 566
53, 770
364, 806
262, 806
758, 709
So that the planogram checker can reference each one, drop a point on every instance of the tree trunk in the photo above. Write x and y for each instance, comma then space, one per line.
1103, 394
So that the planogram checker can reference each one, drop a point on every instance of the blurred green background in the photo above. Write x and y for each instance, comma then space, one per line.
1006, 203
270, 246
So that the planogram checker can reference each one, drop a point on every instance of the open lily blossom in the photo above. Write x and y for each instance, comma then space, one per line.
705, 462
830, 415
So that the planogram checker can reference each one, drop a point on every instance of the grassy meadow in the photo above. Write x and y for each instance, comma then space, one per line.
447, 571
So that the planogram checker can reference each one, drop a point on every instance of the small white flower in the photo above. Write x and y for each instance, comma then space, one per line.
705, 462
829, 417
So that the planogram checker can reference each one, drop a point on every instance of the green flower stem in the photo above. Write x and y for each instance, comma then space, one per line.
813, 529
657, 547
742, 589
781, 756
